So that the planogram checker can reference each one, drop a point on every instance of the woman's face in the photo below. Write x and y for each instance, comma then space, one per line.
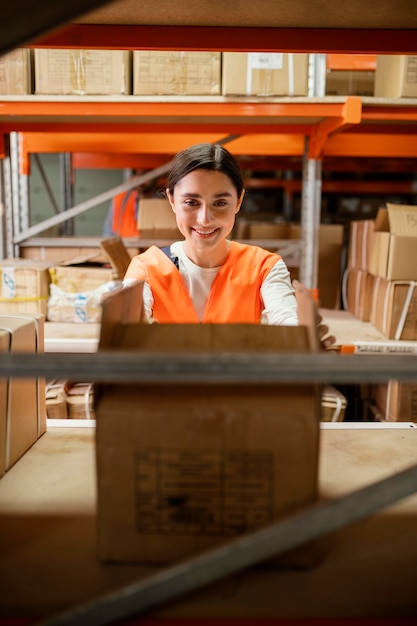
205, 204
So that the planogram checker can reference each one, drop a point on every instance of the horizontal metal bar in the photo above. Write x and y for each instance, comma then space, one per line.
241, 553
211, 368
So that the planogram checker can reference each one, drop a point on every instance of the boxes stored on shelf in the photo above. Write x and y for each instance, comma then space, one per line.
358, 292
182, 468
350, 83
396, 401
396, 76
394, 308
56, 400
80, 398
80, 72
163, 72
16, 72
24, 286
264, 74
22, 400
360, 243
156, 220
82, 275
394, 243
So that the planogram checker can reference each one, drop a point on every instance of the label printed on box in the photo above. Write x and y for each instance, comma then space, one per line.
203, 492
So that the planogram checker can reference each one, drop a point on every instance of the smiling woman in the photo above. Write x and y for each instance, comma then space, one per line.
206, 278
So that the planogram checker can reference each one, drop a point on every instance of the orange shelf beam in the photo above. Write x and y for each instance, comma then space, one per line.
355, 62
231, 38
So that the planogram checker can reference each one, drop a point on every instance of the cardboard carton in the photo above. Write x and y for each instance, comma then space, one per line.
396, 401
350, 83
333, 405
396, 76
182, 468
163, 72
80, 72
358, 292
156, 220
394, 243
264, 74
22, 401
360, 243
394, 308
24, 286
16, 72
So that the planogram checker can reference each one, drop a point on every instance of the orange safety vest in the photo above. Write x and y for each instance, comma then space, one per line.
124, 222
235, 293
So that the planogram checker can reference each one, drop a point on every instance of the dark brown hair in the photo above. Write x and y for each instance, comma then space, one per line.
205, 156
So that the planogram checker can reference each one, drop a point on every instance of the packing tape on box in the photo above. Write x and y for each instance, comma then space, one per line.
269, 62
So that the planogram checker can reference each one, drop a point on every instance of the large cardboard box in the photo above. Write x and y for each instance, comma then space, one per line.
22, 401
16, 72
360, 243
183, 468
396, 401
394, 308
80, 72
24, 286
350, 83
358, 291
396, 76
156, 220
163, 72
264, 74
394, 243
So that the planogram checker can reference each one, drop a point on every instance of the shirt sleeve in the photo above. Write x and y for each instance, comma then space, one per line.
278, 295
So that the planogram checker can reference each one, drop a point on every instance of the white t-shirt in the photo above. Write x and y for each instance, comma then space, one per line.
280, 305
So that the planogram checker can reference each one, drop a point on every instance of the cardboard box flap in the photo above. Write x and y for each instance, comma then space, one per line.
155, 213
93, 259
402, 220
382, 221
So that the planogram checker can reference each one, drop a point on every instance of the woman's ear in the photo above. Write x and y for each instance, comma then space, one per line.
239, 202
170, 199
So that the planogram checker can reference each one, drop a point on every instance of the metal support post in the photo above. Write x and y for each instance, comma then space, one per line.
67, 190
310, 220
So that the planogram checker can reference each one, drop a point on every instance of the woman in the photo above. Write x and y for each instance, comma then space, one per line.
206, 278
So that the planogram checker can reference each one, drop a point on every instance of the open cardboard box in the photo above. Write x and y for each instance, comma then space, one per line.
394, 246
156, 220
182, 468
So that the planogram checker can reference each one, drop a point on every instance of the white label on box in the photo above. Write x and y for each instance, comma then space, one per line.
8, 283
265, 61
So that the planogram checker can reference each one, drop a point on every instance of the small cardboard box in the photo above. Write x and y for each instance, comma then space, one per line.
80, 72
396, 76
394, 308
24, 286
163, 72
15, 72
80, 400
81, 274
396, 401
394, 243
358, 292
56, 400
333, 405
156, 220
264, 74
181, 469
22, 401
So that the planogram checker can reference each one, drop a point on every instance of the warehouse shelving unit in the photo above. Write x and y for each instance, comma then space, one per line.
310, 128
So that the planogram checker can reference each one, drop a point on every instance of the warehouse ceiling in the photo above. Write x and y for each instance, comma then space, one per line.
25, 20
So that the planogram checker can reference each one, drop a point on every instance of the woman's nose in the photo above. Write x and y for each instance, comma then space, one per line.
204, 215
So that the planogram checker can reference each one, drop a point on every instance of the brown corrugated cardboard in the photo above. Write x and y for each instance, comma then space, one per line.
264, 74
394, 308
396, 76
183, 468
23, 404
358, 292
24, 286
333, 405
156, 220
15, 72
396, 401
394, 243
163, 72
350, 83
80, 72
360, 243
